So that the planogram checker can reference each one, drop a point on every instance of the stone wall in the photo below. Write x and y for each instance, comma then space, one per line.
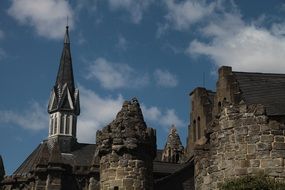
241, 141
126, 148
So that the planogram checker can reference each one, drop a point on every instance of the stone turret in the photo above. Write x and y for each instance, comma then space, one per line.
173, 150
126, 148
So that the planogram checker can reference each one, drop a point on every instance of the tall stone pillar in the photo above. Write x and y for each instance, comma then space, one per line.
126, 148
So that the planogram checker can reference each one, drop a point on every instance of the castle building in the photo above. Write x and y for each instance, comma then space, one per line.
124, 156
237, 130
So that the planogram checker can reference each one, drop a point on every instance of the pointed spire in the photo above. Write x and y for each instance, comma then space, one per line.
65, 71
66, 37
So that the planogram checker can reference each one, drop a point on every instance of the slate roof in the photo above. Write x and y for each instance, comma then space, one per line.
181, 179
263, 88
81, 157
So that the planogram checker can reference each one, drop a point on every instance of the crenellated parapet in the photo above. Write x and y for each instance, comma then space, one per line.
126, 148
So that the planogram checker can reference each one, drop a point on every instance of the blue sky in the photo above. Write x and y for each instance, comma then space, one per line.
155, 50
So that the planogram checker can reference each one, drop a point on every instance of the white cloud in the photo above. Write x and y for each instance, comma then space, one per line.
47, 16
34, 117
245, 47
165, 78
96, 112
134, 7
116, 75
164, 118
183, 14
122, 43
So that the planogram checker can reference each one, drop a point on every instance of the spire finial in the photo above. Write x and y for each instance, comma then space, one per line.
66, 37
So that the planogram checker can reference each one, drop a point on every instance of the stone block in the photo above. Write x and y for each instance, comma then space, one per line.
274, 125
212, 169
244, 163
251, 148
262, 154
251, 156
241, 130
252, 139
254, 163
264, 146
277, 132
279, 146
241, 171
128, 183
278, 153
207, 180
264, 128
255, 170
254, 129
271, 163
274, 172
279, 138
266, 138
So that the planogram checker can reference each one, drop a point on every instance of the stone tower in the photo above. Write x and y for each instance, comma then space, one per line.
173, 150
126, 148
63, 104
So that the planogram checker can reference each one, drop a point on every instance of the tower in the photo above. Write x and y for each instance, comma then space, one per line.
63, 107
173, 150
126, 148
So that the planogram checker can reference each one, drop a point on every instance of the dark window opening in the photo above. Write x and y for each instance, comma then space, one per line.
194, 130
198, 128
116, 188
219, 106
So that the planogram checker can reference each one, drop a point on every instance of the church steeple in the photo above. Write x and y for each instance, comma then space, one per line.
63, 104
65, 72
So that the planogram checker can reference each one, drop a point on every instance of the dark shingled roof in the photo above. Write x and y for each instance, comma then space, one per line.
81, 155
181, 179
263, 88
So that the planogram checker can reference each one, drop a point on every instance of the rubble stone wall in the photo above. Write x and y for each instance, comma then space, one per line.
241, 141
126, 148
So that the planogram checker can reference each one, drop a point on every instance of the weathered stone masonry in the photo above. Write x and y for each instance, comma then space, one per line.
126, 148
242, 140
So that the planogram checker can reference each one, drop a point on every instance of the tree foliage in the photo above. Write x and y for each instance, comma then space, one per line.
258, 182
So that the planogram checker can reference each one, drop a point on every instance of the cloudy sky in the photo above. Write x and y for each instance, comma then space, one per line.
155, 50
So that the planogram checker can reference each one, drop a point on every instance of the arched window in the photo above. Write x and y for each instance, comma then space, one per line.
67, 125
74, 126
194, 130
61, 124
51, 125
198, 128
55, 124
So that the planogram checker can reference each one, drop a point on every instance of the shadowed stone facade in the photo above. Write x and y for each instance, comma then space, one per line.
126, 148
124, 156
246, 133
